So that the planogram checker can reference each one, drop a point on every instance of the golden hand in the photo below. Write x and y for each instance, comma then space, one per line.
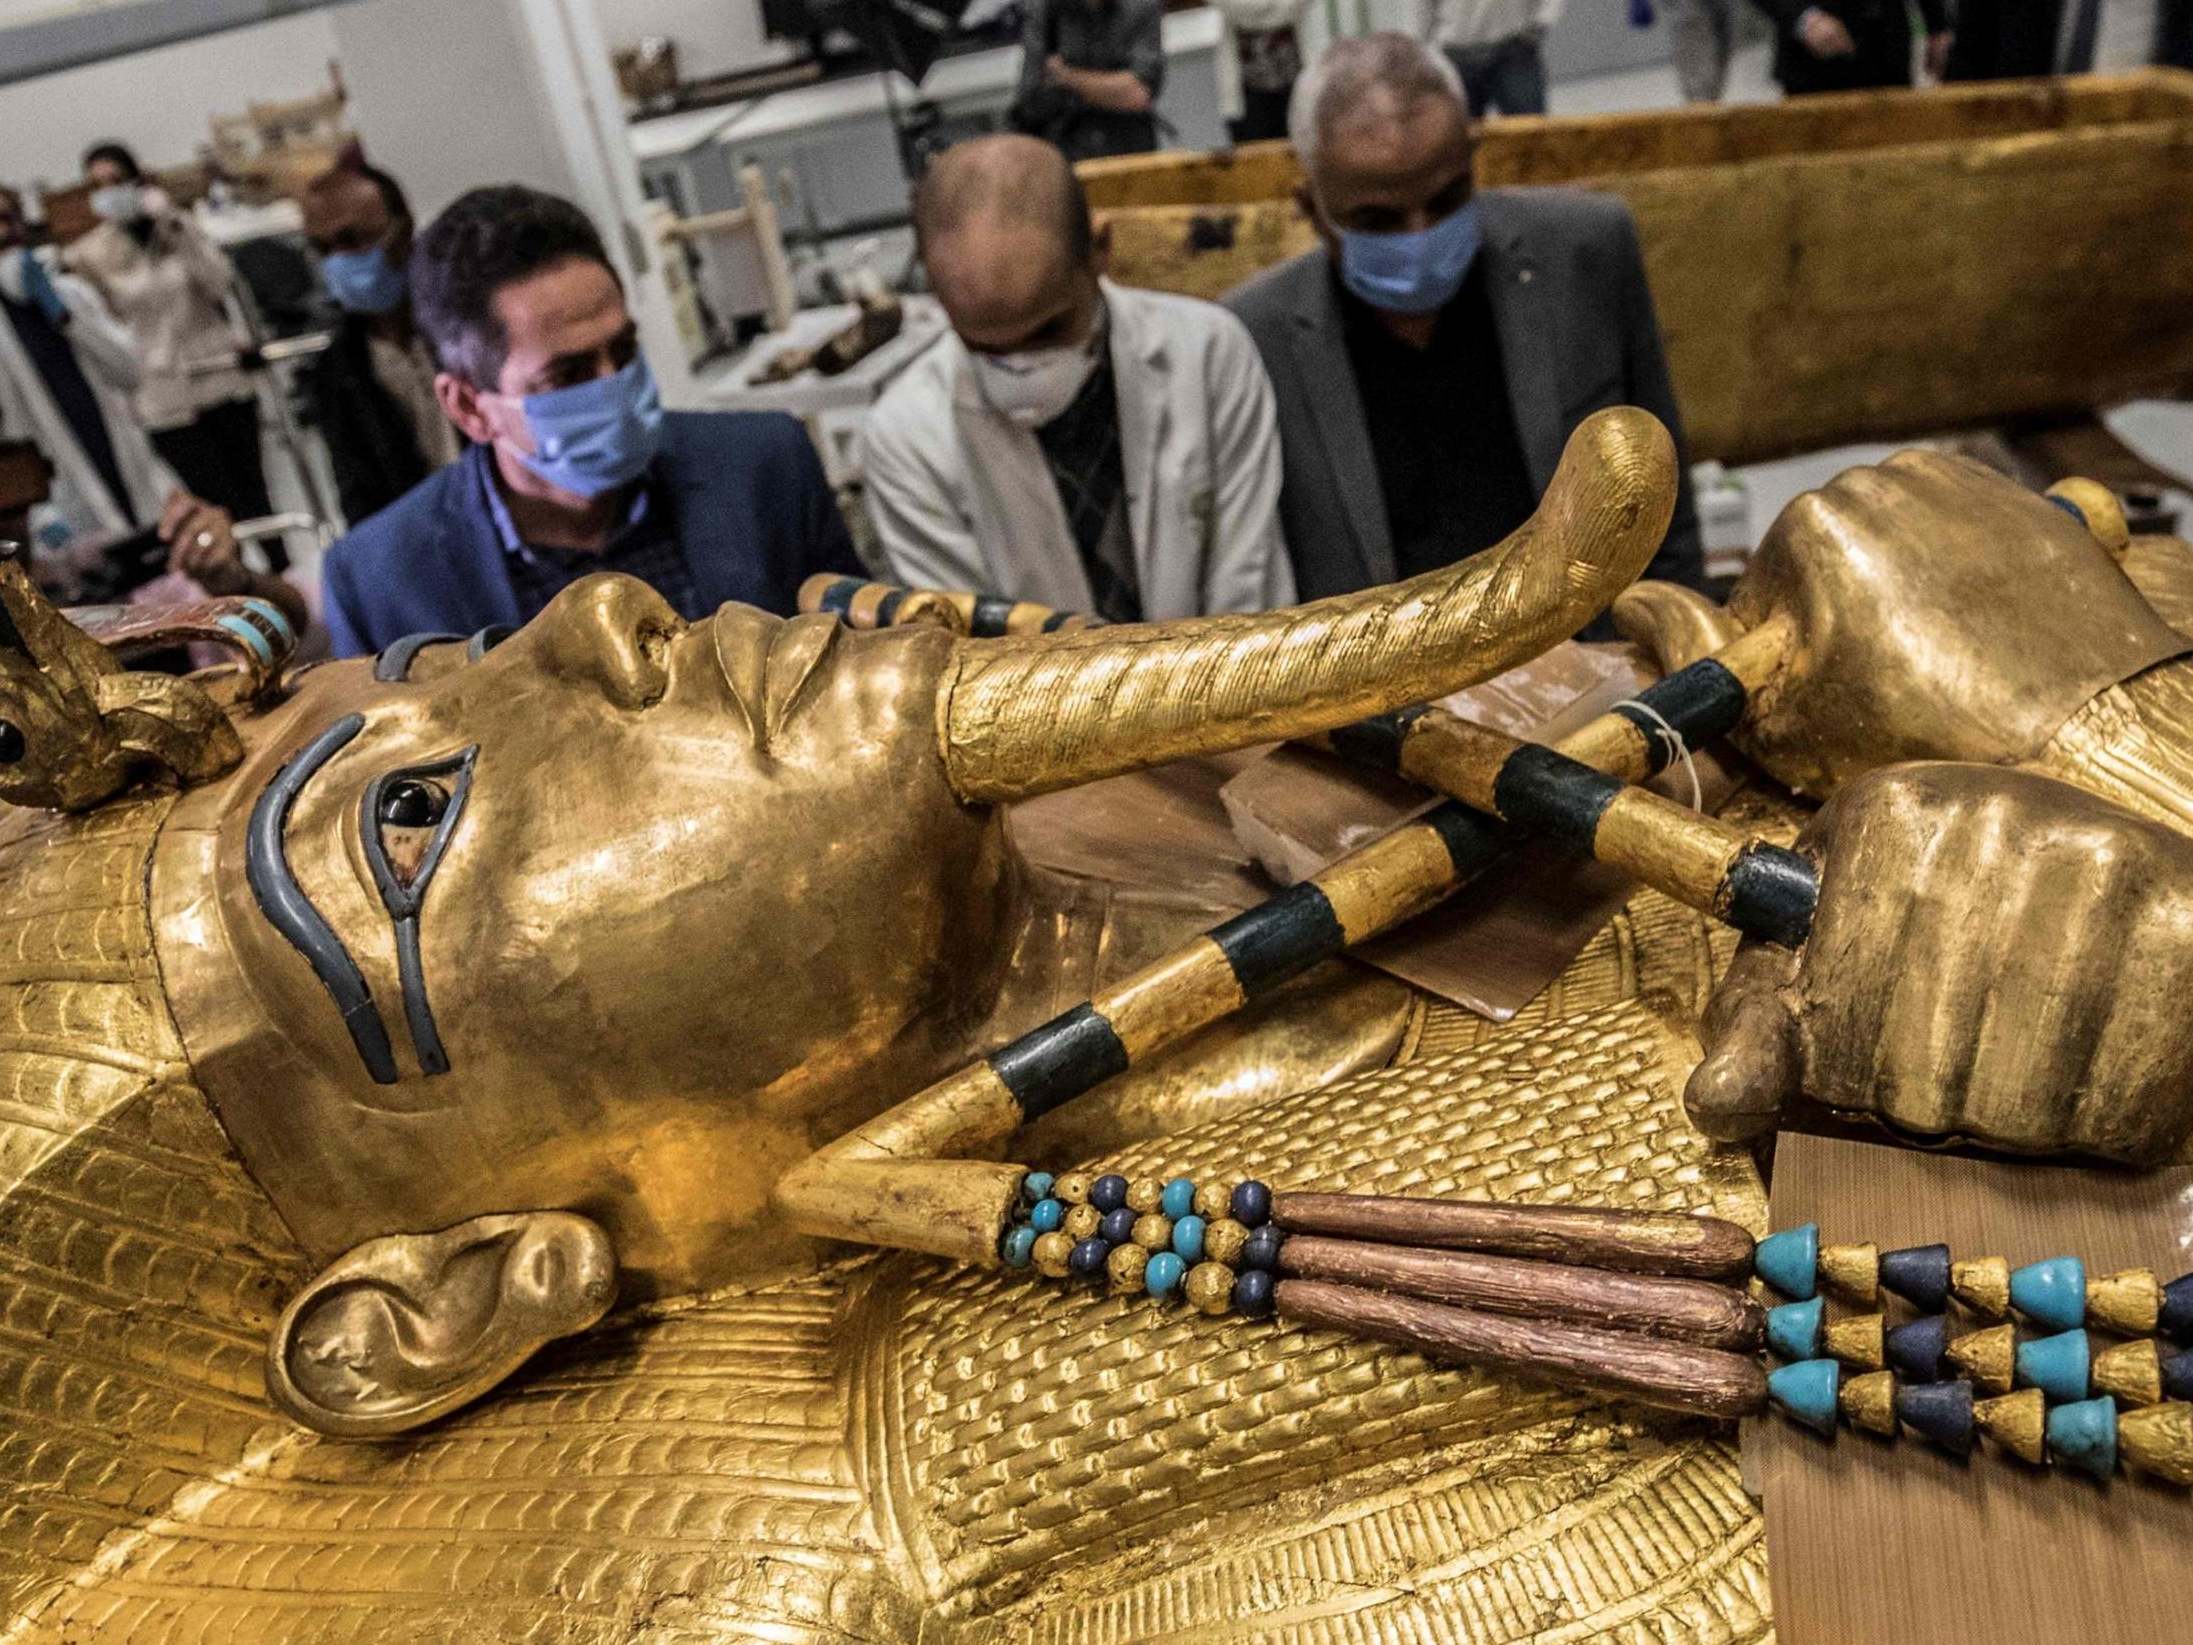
1996, 955
1935, 610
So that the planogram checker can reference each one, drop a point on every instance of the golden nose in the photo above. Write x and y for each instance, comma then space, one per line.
610, 631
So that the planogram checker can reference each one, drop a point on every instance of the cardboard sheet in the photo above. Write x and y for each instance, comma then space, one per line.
1495, 945
1872, 1542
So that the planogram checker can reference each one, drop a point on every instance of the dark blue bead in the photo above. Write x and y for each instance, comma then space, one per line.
1942, 1411
1108, 1193
2178, 1375
2177, 1315
1251, 1204
1919, 1274
1260, 1250
1916, 1351
1253, 1293
1118, 1226
1088, 1257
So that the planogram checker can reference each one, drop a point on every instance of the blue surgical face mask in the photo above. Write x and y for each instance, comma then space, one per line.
364, 282
596, 436
1414, 273
118, 202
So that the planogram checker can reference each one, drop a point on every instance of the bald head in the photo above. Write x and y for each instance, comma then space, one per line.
1005, 235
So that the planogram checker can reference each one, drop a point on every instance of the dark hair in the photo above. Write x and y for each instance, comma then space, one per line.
391, 191
486, 240
120, 155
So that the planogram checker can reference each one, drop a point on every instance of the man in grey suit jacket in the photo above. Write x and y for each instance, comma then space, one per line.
1432, 359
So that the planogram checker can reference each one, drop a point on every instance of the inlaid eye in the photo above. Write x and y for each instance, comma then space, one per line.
12, 745
413, 802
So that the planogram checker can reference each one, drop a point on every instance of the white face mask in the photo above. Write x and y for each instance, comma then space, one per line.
118, 202
1034, 386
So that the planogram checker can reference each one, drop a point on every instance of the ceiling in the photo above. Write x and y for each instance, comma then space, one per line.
41, 36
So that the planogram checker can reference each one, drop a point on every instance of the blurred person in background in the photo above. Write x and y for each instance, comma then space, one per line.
574, 466
1084, 445
2004, 39
1702, 37
67, 374
1852, 45
169, 286
1495, 46
1433, 355
1090, 74
372, 392
1260, 55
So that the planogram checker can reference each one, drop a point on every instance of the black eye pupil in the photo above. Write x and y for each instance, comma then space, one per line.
12, 745
413, 804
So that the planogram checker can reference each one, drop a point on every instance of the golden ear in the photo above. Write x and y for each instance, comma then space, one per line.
406, 1328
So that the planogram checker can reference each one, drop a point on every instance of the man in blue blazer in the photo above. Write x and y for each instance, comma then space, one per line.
574, 466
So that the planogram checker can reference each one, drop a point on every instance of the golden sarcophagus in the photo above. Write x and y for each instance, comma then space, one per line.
1827, 270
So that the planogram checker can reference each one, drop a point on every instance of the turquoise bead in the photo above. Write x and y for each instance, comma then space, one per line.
1045, 1215
1161, 1278
1036, 1185
1020, 1245
2051, 1293
1806, 1391
1793, 1330
2056, 1365
1790, 1261
2083, 1435
1188, 1238
1178, 1199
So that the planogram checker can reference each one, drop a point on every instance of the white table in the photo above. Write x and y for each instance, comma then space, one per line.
834, 408
836, 140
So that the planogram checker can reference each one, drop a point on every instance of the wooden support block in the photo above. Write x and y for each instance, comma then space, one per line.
1957, 1552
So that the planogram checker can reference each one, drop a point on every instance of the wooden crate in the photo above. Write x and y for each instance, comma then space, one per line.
1828, 270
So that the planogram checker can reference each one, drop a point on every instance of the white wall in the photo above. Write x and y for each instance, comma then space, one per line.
445, 96
159, 102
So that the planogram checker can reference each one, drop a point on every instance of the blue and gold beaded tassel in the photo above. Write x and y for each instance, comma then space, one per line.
2089, 1436
1805, 1392
1789, 1262
2057, 1365
1125, 1235
1918, 1349
2140, 1373
1988, 1357
1919, 1274
1793, 1330
1941, 1412
1796, 1264
2174, 1319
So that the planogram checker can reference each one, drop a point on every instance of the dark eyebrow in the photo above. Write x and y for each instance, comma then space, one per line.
290, 911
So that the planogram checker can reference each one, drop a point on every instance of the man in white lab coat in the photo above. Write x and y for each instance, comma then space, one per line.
1072, 442
67, 370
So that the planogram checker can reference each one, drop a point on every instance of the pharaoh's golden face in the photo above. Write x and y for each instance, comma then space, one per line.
623, 916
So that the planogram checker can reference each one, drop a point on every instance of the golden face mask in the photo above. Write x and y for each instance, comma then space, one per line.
626, 916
